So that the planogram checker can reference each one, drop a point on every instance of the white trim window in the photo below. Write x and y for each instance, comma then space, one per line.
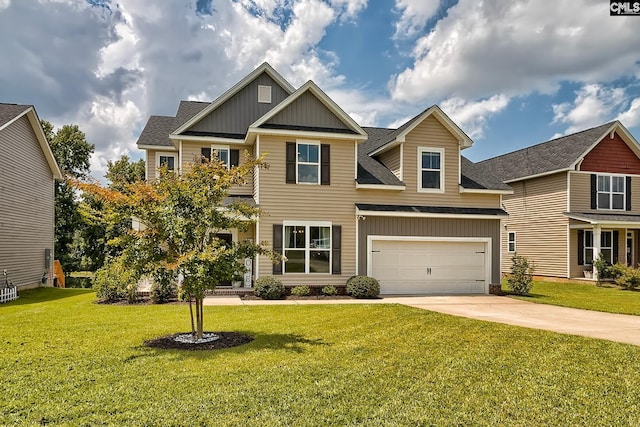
606, 246
307, 246
430, 170
168, 159
308, 162
611, 192
222, 153
511, 241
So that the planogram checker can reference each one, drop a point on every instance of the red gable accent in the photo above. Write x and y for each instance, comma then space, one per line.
611, 156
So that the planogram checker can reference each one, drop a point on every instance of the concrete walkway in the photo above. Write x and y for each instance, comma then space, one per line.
594, 324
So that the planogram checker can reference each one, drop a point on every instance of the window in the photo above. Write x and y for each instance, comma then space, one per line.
264, 94
229, 157
307, 248
308, 163
222, 153
606, 246
511, 243
166, 159
430, 169
611, 192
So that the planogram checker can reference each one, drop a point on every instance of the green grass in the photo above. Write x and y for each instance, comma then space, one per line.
587, 296
66, 361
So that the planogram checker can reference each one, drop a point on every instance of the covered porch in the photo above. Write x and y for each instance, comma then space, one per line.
615, 236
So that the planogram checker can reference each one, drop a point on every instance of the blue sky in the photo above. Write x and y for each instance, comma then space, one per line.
510, 73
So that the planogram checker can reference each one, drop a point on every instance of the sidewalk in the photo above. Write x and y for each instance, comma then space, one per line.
613, 327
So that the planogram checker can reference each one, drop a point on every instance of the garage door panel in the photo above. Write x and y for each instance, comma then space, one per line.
421, 267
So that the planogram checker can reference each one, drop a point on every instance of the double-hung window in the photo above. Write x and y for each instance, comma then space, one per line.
606, 246
307, 247
308, 163
611, 192
511, 242
430, 169
166, 159
222, 153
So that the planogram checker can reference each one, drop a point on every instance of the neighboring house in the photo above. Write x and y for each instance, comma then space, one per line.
401, 205
574, 197
28, 172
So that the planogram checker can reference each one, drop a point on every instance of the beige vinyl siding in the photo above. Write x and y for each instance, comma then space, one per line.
27, 214
151, 165
581, 193
391, 159
536, 215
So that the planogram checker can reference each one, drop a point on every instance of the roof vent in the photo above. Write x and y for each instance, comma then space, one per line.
264, 94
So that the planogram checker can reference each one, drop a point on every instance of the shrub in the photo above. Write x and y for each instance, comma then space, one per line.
617, 270
113, 282
268, 287
78, 282
165, 286
626, 277
301, 291
520, 281
363, 287
350, 279
329, 290
602, 267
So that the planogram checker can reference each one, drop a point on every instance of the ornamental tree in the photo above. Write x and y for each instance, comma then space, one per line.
179, 216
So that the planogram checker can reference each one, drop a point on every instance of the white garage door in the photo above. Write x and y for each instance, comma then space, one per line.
426, 267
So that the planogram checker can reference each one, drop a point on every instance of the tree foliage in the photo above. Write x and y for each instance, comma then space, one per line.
180, 216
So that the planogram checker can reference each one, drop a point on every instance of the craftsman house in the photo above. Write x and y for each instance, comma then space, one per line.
574, 198
28, 172
402, 205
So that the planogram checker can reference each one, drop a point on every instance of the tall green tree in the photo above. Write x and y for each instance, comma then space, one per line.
123, 172
181, 216
72, 152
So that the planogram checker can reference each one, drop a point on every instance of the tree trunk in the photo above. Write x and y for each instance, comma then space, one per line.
199, 314
193, 327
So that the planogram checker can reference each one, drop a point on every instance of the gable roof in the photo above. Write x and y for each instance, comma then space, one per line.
264, 68
553, 156
9, 113
384, 141
158, 128
311, 87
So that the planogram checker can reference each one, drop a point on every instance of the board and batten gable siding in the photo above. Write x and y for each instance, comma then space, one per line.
27, 215
430, 227
280, 201
611, 155
581, 194
536, 215
307, 111
391, 159
240, 111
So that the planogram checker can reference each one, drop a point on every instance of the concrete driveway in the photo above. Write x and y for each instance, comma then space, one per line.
500, 309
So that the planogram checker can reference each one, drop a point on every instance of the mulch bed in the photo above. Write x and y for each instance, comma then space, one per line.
226, 340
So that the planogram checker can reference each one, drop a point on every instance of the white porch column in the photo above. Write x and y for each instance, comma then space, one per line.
597, 245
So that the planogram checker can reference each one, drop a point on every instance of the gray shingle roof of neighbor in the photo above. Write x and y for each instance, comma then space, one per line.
604, 217
431, 209
158, 128
553, 155
11, 111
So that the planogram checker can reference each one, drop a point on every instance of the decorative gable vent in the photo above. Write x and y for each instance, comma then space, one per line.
264, 94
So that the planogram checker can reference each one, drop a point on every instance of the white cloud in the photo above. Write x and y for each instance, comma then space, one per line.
414, 16
472, 116
594, 105
349, 8
495, 46
4, 4
631, 117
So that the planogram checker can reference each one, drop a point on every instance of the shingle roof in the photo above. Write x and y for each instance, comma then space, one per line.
431, 209
11, 111
479, 177
158, 128
557, 154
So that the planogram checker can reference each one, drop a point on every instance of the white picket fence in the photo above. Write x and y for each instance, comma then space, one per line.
8, 294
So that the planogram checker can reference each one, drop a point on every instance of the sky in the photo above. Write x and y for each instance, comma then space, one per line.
509, 73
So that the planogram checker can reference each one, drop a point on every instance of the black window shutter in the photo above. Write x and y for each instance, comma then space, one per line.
594, 191
277, 246
580, 247
206, 153
336, 247
291, 162
628, 193
616, 236
325, 161
234, 158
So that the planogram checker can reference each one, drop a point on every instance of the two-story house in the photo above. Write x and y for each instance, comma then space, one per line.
401, 205
573, 199
28, 171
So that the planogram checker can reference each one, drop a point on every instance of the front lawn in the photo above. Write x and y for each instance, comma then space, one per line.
587, 296
67, 361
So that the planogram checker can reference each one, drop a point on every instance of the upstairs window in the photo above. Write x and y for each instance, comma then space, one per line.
430, 169
611, 192
308, 164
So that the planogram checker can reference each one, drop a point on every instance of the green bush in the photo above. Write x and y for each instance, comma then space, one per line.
520, 281
329, 290
301, 291
268, 287
165, 286
625, 276
363, 287
78, 282
114, 282
617, 270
